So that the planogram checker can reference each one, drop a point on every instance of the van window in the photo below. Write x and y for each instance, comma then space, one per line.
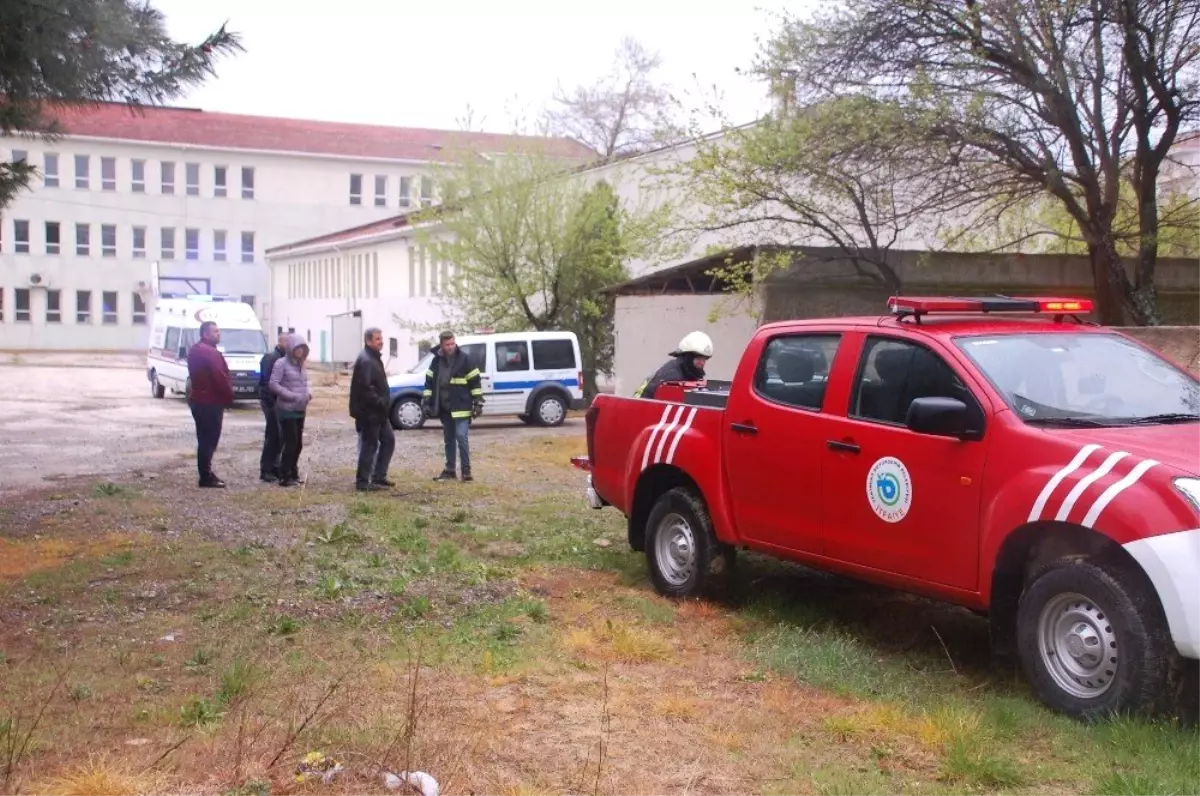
553, 355
512, 356
172, 343
476, 355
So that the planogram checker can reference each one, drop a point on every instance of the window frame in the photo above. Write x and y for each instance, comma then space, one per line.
83, 180
191, 188
220, 182
50, 178
533, 356
57, 244
528, 359
381, 181
22, 246
105, 249
166, 252
166, 177
140, 317
760, 368
247, 256
137, 175
108, 179
83, 242
861, 366
220, 243
116, 311
18, 292
248, 184
57, 313
83, 317
356, 194
138, 252
191, 253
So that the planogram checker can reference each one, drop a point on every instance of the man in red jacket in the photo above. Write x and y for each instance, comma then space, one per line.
211, 391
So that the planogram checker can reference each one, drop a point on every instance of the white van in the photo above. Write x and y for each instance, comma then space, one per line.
536, 376
176, 328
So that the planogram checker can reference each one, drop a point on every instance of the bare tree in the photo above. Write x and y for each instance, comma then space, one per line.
622, 113
1062, 96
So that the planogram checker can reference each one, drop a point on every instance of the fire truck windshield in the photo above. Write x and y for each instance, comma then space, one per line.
1070, 378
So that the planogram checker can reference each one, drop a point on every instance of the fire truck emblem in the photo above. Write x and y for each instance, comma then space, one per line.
889, 489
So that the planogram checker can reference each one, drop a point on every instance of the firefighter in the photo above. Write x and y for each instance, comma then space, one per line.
686, 364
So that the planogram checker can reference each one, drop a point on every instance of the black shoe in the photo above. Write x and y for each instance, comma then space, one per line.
371, 487
466, 476
268, 478
383, 482
446, 475
289, 481
212, 482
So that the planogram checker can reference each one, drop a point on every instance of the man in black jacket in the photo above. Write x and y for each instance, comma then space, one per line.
454, 393
370, 405
686, 364
272, 449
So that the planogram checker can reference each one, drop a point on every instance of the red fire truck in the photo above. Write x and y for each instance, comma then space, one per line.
998, 453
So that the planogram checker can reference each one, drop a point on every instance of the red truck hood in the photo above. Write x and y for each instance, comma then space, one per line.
1176, 445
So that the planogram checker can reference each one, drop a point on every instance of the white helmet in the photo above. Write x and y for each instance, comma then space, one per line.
697, 343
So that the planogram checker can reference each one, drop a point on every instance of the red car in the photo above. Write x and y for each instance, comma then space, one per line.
997, 453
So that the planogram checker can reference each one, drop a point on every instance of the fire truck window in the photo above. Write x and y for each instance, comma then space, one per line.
794, 370
894, 373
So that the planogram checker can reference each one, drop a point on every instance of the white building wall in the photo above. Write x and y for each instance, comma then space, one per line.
294, 196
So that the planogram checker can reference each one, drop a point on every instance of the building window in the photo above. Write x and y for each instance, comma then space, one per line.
83, 240
220, 181
393, 347
139, 243
109, 299
139, 310
356, 189
22, 301
83, 169
168, 243
380, 190
168, 178
21, 236
83, 307
1, 305
426, 191
50, 170
406, 191
191, 244
53, 237
108, 174
218, 245
192, 175
20, 156
248, 300
247, 247
247, 182
108, 240
137, 170
53, 306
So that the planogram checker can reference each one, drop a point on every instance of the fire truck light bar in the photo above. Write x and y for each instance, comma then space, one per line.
916, 305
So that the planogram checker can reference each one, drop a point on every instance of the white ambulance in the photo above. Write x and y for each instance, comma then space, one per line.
176, 328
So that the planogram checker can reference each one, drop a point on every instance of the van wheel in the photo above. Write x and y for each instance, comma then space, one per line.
156, 389
682, 552
550, 410
407, 414
526, 419
1093, 640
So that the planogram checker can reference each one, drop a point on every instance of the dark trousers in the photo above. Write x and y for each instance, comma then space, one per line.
208, 435
454, 433
291, 432
376, 444
272, 448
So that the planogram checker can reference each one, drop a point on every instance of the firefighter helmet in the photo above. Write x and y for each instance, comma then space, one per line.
697, 343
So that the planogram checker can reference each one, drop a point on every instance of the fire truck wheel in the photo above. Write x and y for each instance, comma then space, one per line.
1093, 639
681, 550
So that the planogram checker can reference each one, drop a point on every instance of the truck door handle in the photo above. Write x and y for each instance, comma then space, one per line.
844, 447
744, 428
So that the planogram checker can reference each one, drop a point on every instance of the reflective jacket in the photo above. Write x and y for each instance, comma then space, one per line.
466, 387
677, 369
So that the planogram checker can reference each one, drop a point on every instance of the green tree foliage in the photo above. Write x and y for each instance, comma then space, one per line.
72, 51
1065, 98
531, 247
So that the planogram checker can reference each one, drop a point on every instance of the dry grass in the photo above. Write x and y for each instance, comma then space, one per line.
22, 557
102, 776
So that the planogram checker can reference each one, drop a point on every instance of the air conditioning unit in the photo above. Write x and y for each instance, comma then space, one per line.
37, 280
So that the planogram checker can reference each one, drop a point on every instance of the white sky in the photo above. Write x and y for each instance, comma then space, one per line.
400, 62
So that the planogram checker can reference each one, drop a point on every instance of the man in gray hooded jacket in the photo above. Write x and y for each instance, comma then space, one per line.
289, 384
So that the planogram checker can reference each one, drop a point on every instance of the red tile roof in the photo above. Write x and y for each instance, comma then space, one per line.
227, 130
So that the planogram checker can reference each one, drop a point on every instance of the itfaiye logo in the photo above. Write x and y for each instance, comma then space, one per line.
889, 489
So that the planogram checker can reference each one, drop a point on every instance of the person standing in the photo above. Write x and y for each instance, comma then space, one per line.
268, 463
210, 390
289, 383
453, 393
370, 405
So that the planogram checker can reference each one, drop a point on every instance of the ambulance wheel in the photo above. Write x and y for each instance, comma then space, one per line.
682, 552
156, 389
1093, 639
550, 410
407, 414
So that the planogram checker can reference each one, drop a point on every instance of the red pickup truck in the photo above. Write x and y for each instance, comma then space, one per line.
997, 453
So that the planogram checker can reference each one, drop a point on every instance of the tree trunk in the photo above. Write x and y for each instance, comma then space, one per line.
1110, 293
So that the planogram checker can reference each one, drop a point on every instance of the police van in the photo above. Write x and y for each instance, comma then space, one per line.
176, 328
535, 376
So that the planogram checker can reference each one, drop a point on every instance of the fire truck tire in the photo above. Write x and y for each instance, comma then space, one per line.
682, 552
1093, 639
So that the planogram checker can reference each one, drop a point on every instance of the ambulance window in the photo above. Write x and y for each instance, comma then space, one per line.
893, 373
794, 369
172, 343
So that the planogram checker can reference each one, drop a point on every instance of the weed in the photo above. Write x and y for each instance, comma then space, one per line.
448, 558
200, 658
338, 534
376, 561
109, 489
459, 517
251, 787
967, 763
236, 681
416, 608
79, 693
100, 776
536, 610
332, 587
199, 712
122, 558
507, 633
283, 625
408, 540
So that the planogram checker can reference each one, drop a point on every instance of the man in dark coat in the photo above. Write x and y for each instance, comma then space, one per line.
268, 463
370, 406
453, 393
210, 391
686, 364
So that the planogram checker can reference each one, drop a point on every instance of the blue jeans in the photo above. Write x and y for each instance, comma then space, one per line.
454, 432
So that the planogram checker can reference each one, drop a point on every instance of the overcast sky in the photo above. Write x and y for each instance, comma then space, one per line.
399, 62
